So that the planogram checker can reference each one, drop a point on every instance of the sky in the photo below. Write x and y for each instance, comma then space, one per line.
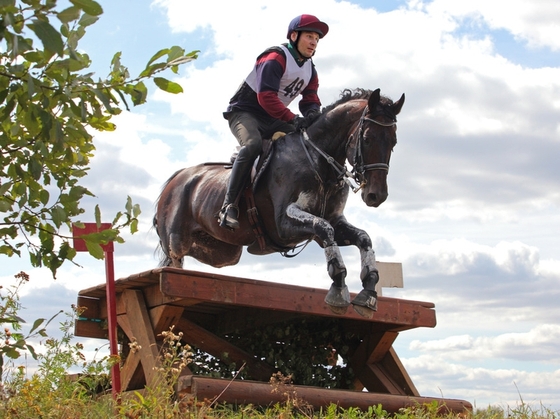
474, 185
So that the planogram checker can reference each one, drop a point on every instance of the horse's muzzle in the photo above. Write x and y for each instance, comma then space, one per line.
374, 199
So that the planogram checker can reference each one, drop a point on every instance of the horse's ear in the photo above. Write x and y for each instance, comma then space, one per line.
374, 98
397, 106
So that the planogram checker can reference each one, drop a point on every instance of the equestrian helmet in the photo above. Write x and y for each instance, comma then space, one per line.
308, 23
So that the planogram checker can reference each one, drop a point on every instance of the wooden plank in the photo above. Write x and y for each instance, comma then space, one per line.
142, 331
273, 296
370, 373
397, 371
132, 373
195, 335
90, 324
376, 379
165, 317
372, 349
262, 394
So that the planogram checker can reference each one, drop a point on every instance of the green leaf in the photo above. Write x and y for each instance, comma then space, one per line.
5, 187
95, 250
97, 216
69, 14
91, 7
44, 196
168, 86
35, 167
139, 94
88, 20
151, 69
134, 226
49, 36
157, 55
174, 53
58, 216
36, 325
31, 349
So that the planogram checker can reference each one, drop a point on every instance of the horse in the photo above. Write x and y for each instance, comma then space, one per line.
299, 196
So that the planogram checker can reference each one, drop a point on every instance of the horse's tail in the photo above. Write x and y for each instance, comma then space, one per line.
164, 259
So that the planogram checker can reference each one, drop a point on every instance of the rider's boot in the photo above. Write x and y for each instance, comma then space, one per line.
228, 216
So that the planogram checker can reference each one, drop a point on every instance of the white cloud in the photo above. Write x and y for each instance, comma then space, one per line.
540, 343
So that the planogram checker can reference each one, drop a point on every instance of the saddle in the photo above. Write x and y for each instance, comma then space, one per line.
262, 244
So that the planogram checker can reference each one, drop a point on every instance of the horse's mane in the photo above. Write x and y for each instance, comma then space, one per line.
351, 94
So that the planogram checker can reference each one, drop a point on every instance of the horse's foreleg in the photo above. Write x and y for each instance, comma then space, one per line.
365, 302
304, 223
338, 297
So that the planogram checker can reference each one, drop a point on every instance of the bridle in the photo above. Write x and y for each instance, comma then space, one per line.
355, 179
359, 168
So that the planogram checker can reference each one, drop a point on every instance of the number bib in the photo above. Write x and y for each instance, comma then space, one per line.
293, 81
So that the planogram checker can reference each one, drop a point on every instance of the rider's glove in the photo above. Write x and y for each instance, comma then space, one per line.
312, 116
299, 123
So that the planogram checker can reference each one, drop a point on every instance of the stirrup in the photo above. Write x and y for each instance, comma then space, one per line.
228, 217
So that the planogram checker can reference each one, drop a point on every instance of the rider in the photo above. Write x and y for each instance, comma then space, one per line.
259, 107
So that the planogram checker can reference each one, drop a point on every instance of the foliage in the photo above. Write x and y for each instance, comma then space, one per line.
158, 400
13, 341
313, 353
50, 392
49, 104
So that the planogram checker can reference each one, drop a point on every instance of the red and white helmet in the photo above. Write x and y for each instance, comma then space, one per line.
308, 23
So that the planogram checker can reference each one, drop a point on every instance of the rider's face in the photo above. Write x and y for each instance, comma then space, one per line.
307, 43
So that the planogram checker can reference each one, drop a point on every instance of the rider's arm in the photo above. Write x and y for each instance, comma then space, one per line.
310, 101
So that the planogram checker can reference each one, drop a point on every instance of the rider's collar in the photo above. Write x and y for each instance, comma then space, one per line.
299, 59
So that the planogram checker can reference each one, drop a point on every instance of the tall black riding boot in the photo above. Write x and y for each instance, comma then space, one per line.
239, 173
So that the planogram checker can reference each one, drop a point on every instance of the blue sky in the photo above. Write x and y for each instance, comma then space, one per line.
473, 207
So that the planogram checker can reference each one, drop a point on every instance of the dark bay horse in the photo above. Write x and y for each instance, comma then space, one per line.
300, 196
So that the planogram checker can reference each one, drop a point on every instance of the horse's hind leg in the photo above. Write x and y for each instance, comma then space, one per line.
177, 249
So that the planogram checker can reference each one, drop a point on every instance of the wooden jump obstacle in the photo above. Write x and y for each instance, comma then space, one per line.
204, 306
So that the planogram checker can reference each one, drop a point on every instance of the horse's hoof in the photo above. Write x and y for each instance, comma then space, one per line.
338, 299
365, 303
364, 311
339, 311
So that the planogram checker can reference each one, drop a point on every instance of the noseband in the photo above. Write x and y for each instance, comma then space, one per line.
359, 168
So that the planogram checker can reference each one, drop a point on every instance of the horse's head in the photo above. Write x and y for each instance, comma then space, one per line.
371, 145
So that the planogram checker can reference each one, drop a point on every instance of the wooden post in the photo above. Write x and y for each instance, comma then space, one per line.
80, 246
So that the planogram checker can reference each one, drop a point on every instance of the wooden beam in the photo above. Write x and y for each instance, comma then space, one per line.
90, 323
397, 371
132, 375
165, 317
223, 350
401, 314
142, 331
257, 393
377, 367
